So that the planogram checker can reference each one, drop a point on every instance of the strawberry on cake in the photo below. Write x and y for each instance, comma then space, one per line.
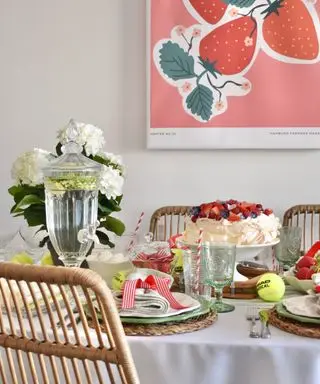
237, 222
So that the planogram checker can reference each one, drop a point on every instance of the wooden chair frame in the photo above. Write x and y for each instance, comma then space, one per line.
20, 284
306, 216
168, 214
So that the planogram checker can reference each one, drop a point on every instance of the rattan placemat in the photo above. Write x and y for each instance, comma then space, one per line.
170, 328
292, 326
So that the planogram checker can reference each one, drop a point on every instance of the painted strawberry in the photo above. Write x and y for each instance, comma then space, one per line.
289, 30
210, 10
317, 289
230, 47
306, 261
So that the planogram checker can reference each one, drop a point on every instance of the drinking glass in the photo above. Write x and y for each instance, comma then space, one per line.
194, 285
5, 240
219, 262
32, 237
288, 250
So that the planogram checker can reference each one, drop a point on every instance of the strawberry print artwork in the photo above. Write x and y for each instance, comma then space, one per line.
209, 61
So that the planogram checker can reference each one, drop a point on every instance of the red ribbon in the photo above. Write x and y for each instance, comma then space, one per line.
160, 285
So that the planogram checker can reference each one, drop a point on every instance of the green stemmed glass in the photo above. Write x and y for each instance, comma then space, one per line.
219, 261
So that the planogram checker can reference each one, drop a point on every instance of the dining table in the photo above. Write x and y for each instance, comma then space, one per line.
223, 353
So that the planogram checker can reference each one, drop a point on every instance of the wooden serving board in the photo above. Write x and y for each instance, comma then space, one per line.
243, 290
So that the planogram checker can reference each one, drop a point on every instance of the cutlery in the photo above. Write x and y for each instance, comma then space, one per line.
252, 315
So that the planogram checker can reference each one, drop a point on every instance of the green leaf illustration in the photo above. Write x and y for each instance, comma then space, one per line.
175, 62
240, 3
200, 101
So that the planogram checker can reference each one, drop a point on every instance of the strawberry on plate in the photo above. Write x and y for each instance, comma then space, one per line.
306, 261
304, 273
230, 47
210, 10
288, 29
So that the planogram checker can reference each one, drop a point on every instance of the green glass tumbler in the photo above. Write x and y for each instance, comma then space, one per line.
219, 262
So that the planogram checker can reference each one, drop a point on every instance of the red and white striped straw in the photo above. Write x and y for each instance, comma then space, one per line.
198, 261
135, 232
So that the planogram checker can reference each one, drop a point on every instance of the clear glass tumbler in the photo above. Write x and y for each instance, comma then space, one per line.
194, 285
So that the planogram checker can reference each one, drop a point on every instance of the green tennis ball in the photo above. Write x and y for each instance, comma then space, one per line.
118, 280
22, 258
270, 287
46, 259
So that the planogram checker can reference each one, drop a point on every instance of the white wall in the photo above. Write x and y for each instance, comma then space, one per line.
86, 59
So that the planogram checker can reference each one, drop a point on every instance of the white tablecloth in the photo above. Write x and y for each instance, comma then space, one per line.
224, 354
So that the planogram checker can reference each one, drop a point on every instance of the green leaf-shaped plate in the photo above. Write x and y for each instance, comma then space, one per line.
281, 310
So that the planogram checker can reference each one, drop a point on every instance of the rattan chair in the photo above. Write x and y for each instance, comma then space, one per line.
37, 344
168, 221
308, 218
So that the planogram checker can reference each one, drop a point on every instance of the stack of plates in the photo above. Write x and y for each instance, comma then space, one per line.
195, 309
298, 315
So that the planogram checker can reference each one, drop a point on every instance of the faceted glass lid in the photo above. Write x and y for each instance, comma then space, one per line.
72, 160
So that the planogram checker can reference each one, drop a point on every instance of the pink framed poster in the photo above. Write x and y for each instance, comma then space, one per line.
233, 74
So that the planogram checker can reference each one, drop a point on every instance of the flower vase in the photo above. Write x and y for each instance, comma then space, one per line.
58, 262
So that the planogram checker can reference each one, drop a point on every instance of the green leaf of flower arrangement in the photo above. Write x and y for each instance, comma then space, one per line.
200, 101
175, 62
20, 191
240, 3
107, 206
104, 239
35, 215
114, 225
26, 202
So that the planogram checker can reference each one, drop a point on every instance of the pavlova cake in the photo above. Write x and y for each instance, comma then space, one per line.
237, 222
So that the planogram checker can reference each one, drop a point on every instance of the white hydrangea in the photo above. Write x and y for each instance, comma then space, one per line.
116, 160
27, 168
111, 182
88, 135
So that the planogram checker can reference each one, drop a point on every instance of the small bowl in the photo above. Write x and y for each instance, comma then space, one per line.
108, 268
162, 266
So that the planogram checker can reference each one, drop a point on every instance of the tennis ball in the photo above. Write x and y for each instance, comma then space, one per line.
22, 258
118, 280
46, 259
270, 287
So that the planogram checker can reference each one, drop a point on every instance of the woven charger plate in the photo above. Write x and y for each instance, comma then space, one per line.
292, 326
172, 328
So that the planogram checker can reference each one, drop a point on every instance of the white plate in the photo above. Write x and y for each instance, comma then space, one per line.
182, 298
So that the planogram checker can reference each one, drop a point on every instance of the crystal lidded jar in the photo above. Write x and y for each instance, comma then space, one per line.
71, 189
